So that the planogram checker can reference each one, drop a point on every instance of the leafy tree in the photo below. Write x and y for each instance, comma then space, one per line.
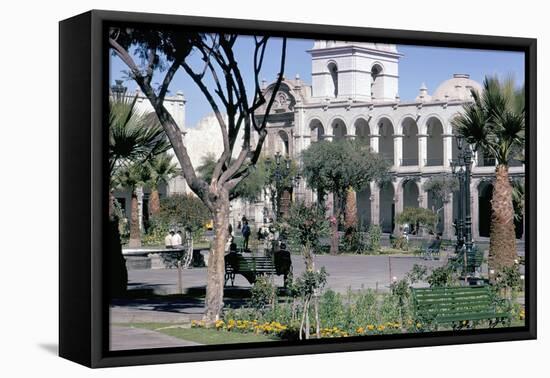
419, 217
441, 188
249, 189
133, 138
307, 287
185, 210
162, 53
334, 167
278, 180
305, 226
494, 122
162, 170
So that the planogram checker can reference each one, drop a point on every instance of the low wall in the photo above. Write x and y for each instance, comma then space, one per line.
142, 259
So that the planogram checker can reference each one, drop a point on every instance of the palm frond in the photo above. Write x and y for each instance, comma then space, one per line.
494, 122
133, 136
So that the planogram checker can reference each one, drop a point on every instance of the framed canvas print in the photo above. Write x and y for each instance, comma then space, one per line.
234, 188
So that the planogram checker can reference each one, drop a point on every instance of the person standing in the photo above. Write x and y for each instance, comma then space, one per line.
246, 234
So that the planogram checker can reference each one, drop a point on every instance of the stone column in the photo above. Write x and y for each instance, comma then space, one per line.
474, 203
330, 204
397, 149
374, 143
422, 150
374, 203
475, 162
447, 149
398, 196
423, 195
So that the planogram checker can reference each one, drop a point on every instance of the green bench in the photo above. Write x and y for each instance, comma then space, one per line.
251, 267
458, 307
473, 261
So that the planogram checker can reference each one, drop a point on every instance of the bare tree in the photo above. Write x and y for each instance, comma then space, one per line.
164, 53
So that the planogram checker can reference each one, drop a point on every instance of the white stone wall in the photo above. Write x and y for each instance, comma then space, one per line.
354, 64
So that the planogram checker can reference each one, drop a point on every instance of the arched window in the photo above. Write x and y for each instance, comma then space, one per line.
333, 70
376, 86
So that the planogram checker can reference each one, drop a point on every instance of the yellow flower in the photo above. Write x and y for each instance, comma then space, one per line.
370, 327
418, 325
381, 327
360, 330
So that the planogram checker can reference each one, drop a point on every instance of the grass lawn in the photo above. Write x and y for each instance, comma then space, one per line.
201, 335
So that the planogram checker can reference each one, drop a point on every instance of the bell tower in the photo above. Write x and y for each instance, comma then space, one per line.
360, 71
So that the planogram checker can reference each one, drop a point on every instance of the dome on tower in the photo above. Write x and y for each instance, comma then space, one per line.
457, 88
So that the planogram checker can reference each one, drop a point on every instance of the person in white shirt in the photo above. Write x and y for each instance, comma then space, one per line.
168, 239
177, 240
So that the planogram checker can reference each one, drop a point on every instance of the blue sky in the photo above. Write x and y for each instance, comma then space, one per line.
429, 65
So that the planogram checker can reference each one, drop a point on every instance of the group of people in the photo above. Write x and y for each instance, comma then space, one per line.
173, 239
268, 234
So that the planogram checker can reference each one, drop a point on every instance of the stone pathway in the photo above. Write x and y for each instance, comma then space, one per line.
125, 338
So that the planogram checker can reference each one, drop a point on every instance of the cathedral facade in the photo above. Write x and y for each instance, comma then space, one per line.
354, 94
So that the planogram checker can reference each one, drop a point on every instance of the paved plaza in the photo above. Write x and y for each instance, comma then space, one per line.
126, 338
345, 271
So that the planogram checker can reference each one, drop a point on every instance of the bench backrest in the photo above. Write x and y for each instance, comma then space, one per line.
447, 301
256, 263
249, 263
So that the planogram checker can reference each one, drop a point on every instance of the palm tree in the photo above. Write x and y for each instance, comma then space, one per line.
495, 124
133, 136
162, 169
132, 178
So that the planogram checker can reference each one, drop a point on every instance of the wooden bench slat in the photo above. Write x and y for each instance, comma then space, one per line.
251, 267
445, 305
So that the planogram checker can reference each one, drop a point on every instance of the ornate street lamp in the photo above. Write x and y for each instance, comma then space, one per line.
459, 221
462, 169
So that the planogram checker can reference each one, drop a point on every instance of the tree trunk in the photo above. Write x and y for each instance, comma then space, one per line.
154, 203
216, 264
308, 257
502, 247
135, 234
350, 214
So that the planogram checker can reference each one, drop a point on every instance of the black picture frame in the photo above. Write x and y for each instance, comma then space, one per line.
83, 68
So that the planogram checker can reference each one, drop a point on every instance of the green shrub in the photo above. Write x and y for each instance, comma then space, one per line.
442, 276
332, 310
400, 243
263, 293
354, 241
181, 211
374, 237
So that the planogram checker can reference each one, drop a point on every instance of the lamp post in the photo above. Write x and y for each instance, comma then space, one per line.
458, 171
462, 169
